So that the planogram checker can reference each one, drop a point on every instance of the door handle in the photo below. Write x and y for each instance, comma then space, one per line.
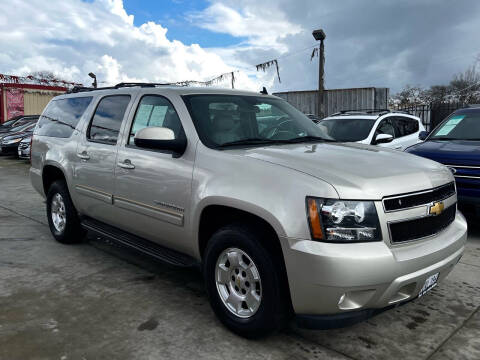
398, 147
126, 164
83, 155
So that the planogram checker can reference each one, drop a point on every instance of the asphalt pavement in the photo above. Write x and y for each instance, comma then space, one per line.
96, 300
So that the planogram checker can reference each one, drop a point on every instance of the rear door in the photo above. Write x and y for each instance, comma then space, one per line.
153, 188
96, 156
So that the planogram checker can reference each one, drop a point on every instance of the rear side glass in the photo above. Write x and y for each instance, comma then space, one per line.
62, 116
108, 118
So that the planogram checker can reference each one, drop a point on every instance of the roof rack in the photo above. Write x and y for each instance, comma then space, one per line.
77, 89
380, 112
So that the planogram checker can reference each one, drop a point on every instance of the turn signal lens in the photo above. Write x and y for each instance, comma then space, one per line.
314, 219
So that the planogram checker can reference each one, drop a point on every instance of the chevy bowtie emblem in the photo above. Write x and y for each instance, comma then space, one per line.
436, 208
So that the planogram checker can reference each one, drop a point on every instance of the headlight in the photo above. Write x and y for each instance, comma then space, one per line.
343, 221
13, 141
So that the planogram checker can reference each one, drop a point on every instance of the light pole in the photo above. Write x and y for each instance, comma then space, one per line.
94, 77
320, 35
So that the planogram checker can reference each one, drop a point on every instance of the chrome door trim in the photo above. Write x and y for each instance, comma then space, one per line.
162, 213
94, 193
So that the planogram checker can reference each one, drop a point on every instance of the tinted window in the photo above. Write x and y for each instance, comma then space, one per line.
347, 130
155, 111
458, 126
108, 118
62, 116
225, 120
405, 126
385, 127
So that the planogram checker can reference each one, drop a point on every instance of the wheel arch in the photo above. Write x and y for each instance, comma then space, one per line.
51, 173
215, 215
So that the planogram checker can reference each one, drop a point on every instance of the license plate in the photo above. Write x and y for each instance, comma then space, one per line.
430, 283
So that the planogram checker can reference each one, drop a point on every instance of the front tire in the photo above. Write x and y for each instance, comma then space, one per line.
243, 283
62, 216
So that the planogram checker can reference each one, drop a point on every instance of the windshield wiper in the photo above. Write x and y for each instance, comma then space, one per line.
260, 141
251, 141
307, 138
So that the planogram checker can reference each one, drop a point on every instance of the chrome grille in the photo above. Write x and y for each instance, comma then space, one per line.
418, 228
410, 200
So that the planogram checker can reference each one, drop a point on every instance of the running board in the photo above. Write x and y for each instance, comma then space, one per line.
142, 245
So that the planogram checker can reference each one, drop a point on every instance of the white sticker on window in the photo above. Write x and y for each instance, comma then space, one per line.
450, 125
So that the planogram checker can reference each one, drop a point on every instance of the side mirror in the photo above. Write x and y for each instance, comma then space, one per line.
383, 139
422, 135
160, 138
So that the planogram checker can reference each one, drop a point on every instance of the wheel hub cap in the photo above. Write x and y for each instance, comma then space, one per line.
58, 212
238, 282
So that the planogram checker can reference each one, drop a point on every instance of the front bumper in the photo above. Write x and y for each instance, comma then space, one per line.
24, 153
329, 279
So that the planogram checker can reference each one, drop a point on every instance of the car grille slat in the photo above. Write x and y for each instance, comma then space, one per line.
421, 227
407, 201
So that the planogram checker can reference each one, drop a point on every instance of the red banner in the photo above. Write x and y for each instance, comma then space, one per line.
14, 104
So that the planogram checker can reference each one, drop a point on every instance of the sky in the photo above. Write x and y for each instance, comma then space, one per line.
382, 43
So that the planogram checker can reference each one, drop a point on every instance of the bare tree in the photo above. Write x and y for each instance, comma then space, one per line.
46, 75
466, 86
409, 95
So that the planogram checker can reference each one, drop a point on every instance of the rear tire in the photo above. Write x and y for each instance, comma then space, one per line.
62, 216
250, 308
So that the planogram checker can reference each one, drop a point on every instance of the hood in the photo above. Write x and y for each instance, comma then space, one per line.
15, 135
452, 152
357, 171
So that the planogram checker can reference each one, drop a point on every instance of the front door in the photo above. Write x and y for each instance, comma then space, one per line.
96, 156
153, 188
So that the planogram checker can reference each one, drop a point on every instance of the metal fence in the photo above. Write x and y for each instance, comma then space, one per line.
335, 100
431, 114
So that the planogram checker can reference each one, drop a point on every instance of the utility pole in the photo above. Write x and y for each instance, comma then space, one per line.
320, 35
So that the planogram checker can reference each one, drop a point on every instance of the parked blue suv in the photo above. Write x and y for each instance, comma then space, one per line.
455, 142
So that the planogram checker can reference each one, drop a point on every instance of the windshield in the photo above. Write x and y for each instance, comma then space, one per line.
235, 120
8, 123
347, 130
458, 127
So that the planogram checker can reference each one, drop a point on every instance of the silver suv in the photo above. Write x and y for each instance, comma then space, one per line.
281, 219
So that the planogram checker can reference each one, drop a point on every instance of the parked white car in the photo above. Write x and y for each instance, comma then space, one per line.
395, 130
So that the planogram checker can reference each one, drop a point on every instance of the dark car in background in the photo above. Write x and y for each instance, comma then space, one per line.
16, 122
9, 141
455, 142
24, 148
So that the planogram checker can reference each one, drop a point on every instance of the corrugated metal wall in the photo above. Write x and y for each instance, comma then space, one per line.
338, 99
35, 101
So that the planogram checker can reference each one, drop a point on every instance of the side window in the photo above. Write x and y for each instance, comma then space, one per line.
154, 110
108, 118
385, 127
61, 116
405, 126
